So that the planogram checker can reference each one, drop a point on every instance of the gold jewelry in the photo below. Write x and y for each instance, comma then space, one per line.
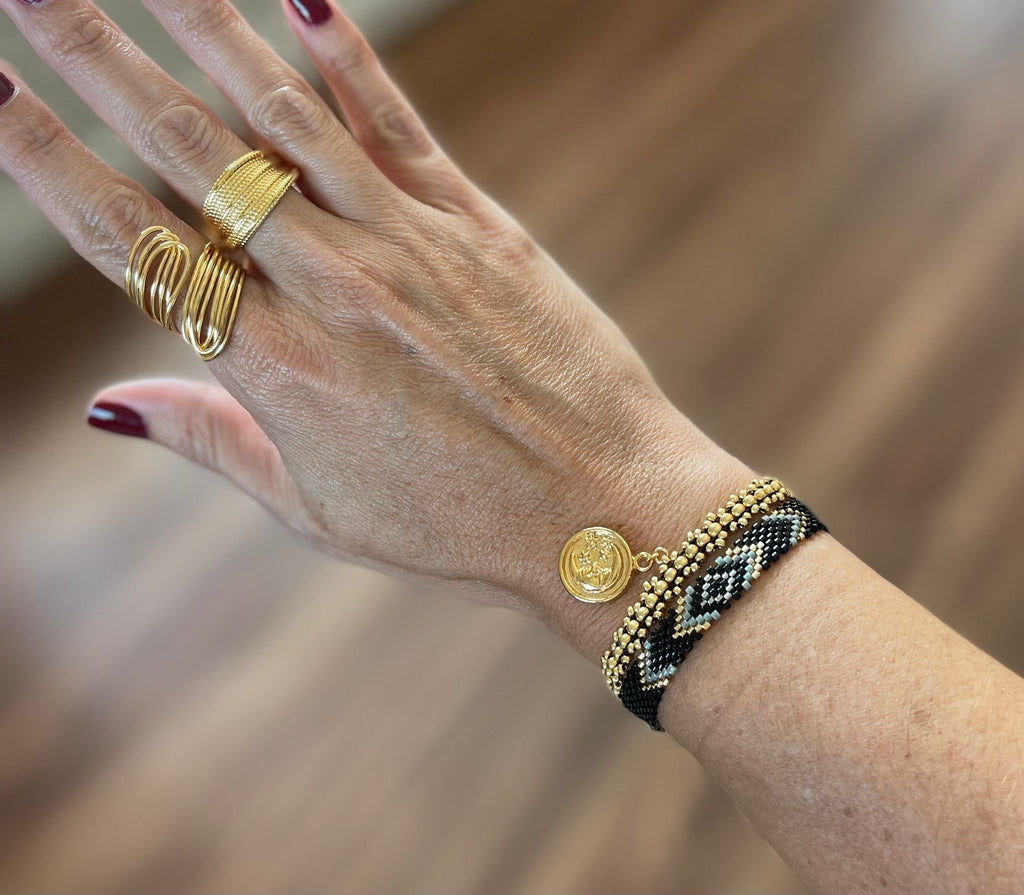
157, 267
243, 196
211, 302
675, 567
596, 564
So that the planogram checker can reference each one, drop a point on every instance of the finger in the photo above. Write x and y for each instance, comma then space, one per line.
205, 424
380, 117
100, 211
163, 124
277, 102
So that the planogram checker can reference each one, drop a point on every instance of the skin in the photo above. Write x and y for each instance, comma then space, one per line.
411, 377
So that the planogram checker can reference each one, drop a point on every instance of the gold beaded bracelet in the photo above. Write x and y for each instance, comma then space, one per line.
661, 589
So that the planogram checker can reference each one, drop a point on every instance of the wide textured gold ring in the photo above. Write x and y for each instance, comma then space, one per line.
211, 302
242, 198
157, 268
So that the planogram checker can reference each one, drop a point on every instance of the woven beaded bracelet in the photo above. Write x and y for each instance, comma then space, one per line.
665, 648
663, 588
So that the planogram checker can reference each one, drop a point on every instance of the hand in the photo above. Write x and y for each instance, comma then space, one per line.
412, 383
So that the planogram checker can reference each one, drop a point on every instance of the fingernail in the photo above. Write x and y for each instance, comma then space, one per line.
315, 12
117, 418
7, 89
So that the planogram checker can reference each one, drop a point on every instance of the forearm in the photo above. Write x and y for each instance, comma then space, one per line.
872, 746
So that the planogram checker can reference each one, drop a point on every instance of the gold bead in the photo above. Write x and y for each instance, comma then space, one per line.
714, 529
691, 549
660, 587
651, 600
641, 612
669, 574
725, 518
759, 494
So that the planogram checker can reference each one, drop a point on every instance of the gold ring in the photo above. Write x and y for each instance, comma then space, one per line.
211, 302
157, 267
242, 198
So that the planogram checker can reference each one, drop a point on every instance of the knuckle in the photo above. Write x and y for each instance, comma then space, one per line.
112, 218
200, 438
353, 57
395, 124
287, 113
83, 33
207, 18
278, 351
515, 245
342, 279
178, 134
37, 135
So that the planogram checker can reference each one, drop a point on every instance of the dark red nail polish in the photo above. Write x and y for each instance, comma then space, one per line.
7, 89
315, 12
117, 418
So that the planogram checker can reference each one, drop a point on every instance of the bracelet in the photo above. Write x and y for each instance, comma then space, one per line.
664, 650
661, 589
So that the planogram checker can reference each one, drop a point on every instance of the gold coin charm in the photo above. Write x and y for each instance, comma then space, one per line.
596, 565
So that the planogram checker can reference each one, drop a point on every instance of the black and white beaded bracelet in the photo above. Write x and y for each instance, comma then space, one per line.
726, 580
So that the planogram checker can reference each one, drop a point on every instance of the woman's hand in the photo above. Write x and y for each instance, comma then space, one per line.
412, 383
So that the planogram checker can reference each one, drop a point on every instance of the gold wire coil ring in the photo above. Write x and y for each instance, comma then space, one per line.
158, 265
244, 195
211, 302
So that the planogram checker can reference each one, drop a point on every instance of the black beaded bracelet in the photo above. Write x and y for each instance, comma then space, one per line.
665, 648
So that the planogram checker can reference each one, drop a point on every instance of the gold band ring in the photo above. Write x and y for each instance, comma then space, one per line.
211, 302
244, 195
157, 267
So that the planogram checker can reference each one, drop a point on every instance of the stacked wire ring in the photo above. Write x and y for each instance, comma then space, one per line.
244, 195
157, 268
211, 302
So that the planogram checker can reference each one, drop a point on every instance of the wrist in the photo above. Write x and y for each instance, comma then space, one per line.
664, 488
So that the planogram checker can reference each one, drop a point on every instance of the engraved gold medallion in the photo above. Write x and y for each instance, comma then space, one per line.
596, 565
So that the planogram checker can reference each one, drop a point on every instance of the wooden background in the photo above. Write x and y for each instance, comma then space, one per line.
810, 217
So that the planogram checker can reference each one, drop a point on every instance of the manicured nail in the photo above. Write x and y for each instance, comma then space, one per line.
315, 12
117, 418
7, 89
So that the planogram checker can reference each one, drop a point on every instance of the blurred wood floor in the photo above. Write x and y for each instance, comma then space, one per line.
810, 217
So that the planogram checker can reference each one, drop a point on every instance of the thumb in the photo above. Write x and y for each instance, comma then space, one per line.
208, 426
